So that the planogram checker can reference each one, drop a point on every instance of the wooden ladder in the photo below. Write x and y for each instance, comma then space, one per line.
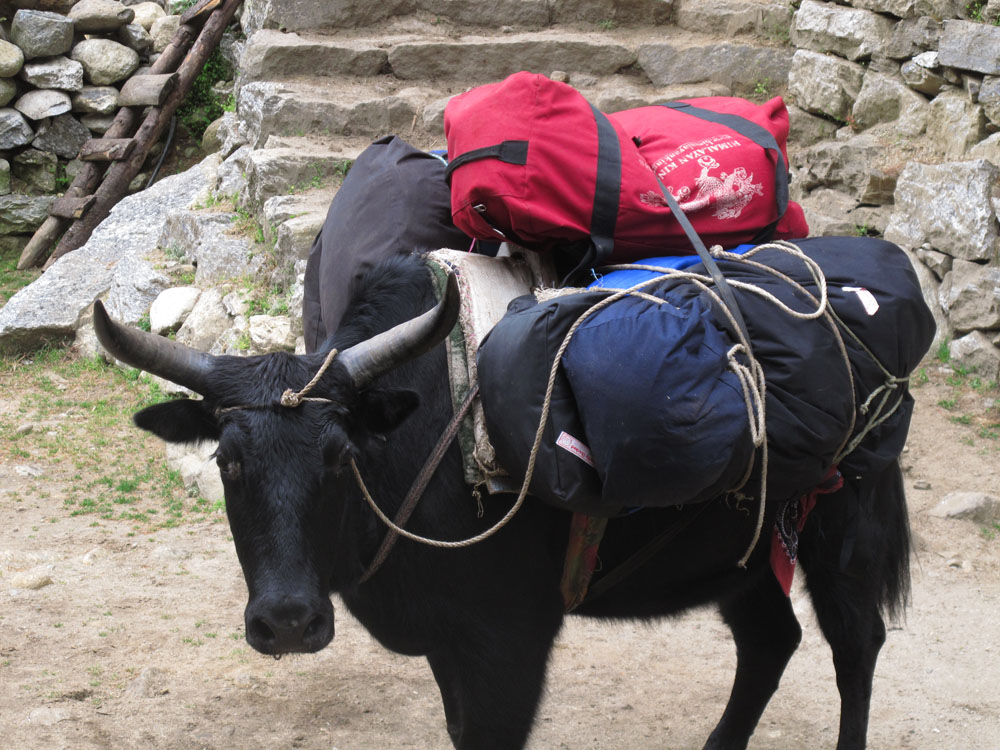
113, 161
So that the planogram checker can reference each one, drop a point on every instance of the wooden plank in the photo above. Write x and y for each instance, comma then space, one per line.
71, 207
201, 9
107, 149
147, 90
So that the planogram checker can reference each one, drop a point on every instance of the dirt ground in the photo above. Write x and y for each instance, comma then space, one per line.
137, 641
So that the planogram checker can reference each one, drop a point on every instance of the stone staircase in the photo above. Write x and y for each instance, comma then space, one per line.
319, 81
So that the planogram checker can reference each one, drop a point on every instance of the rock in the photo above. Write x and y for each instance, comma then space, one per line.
741, 67
973, 296
921, 78
162, 31
134, 36
271, 333
851, 166
208, 240
52, 305
146, 13
955, 124
805, 129
25, 429
23, 214
495, 58
99, 100
965, 45
921, 484
913, 36
828, 213
885, 99
930, 288
824, 84
975, 352
150, 683
272, 55
98, 553
206, 322
100, 16
938, 263
97, 124
171, 308
37, 169
8, 90
41, 34
988, 149
54, 73
11, 59
210, 140
104, 61
974, 506
42, 103
4, 178
14, 129
989, 99
46, 716
231, 134
232, 172
847, 32
30, 580
62, 135
948, 207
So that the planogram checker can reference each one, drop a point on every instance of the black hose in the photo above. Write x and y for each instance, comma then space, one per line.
166, 148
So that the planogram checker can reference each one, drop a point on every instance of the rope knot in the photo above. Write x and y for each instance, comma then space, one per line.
291, 399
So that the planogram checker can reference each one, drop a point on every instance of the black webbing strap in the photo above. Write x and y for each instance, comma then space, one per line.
710, 265
759, 135
510, 152
607, 190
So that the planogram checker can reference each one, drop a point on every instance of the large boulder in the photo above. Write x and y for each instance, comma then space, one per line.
971, 46
40, 33
36, 169
971, 296
849, 32
975, 353
989, 99
955, 124
114, 258
62, 135
11, 59
851, 166
885, 99
14, 129
22, 214
95, 100
100, 16
947, 206
824, 84
104, 61
54, 73
41, 103
741, 67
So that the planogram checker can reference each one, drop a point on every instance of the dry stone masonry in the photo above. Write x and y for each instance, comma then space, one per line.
59, 73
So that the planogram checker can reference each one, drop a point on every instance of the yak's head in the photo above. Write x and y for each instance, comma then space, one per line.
279, 464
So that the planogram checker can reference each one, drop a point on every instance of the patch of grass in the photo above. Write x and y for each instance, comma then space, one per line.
12, 280
948, 403
201, 106
944, 351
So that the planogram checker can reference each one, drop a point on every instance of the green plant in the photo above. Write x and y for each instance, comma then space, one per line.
607, 25
974, 10
201, 106
948, 403
944, 351
762, 89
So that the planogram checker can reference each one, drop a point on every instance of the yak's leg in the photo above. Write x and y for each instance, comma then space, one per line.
491, 690
766, 634
846, 605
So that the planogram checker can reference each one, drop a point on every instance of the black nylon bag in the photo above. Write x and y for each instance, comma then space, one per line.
513, 366
394, 200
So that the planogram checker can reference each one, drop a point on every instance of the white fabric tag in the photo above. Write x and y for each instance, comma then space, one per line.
578, 448
868, 300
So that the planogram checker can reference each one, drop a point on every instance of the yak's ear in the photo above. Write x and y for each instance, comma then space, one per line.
385, 409
180, 421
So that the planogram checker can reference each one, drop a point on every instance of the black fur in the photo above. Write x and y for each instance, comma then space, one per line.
485, 616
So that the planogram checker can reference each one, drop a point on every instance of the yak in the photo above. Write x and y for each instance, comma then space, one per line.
485, 616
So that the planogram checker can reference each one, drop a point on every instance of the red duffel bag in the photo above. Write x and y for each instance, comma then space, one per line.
532, 161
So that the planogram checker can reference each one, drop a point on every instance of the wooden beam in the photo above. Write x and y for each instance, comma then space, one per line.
201, 9
107, 149
147, 90
121, 173
71, 207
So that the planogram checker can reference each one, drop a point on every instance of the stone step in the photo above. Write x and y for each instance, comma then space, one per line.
293, 167
767, 18
330, 108
293, 15
664, 56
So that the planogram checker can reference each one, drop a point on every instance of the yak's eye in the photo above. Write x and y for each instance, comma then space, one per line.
337, 450
228, 468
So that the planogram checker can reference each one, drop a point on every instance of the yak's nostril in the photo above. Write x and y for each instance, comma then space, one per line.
314, 627
259, 631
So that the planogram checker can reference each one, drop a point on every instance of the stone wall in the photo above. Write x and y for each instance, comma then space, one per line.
61, 65
896, 113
